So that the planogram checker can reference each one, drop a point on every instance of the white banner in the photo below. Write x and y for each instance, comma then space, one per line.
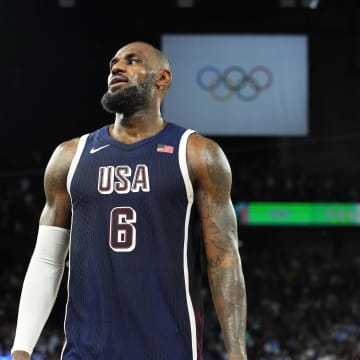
238, 85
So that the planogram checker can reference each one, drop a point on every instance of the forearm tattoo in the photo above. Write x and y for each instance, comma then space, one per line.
227, 285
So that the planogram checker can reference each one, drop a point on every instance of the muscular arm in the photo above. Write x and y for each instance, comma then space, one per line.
211, 174
57, 209
45, 270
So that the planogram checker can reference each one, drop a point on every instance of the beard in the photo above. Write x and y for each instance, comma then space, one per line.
128, 100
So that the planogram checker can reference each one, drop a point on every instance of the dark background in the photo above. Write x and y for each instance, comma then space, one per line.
54, 65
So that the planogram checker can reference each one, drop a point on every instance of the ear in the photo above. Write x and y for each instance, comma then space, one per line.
164, 79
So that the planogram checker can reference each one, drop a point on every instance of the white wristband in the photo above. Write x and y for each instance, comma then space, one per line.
41, 285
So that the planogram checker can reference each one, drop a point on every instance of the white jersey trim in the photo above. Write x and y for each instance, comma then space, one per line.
73, 166
190, 196
75, 160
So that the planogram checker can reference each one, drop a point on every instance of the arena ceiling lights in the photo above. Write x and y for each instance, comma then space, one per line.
310, 4
67, 3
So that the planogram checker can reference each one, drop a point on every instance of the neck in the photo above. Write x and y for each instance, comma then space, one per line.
118, 119
133, 129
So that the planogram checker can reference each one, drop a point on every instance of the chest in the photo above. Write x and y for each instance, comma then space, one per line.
121, 173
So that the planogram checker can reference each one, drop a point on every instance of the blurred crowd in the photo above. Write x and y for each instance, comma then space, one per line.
301, 305
266, 179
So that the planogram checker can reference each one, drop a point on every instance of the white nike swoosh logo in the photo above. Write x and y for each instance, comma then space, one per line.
94, 150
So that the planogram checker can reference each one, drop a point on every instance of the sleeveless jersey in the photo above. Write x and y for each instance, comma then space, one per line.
135, 251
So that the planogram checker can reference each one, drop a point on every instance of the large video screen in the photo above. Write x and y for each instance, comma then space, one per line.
238, 85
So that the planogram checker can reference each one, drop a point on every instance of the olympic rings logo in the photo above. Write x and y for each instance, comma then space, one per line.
234, 81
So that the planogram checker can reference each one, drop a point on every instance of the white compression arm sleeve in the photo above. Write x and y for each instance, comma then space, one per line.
41, 285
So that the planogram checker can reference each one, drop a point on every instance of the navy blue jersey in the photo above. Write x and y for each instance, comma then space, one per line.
135, 251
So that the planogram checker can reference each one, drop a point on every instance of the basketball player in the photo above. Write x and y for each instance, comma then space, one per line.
137, 203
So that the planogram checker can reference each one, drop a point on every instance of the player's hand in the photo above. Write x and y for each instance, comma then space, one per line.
20, 355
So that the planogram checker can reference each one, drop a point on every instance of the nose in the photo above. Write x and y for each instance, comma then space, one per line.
118, 67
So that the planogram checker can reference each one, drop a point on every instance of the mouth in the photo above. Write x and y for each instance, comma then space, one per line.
117, 81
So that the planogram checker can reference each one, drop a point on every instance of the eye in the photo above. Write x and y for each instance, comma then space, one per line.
134, 60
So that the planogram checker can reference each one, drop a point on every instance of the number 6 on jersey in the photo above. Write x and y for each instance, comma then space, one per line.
122, 230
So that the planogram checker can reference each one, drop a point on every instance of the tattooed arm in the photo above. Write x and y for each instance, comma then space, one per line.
211, 175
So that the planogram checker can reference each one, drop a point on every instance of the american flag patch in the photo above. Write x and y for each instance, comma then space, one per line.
165, 148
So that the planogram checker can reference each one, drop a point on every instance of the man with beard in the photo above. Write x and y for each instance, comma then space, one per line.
146, 203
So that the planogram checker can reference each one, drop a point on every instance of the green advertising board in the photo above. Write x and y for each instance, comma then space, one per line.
298, 213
